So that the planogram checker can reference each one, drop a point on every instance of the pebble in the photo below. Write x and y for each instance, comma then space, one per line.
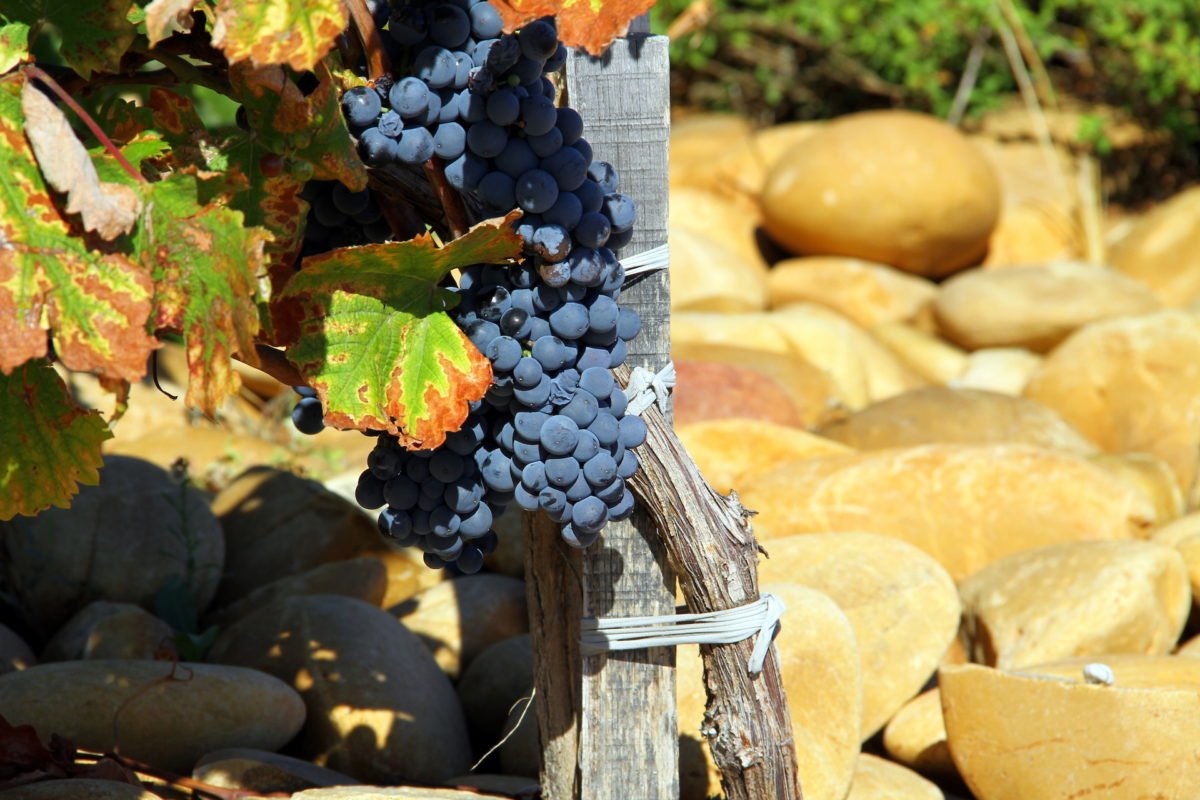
916, 736
901, 603
1006, 370
459, 619
168, 722
15, 654
111, 630
364, 578
939, 414
730, 453
263, 771
894, 187
379, 708
120, 540
78, 789
1152, 476
877, 778
931, 358
496, 680
711, 391
966, 505
731, 223
710, 275
1162, 249
866, 293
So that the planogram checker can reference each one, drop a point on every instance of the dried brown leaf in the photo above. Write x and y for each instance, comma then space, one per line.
165, 17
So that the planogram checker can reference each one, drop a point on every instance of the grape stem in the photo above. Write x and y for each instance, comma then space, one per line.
275, 363
378, 63
456, 212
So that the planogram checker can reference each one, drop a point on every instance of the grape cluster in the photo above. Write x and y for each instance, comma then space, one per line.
338, 217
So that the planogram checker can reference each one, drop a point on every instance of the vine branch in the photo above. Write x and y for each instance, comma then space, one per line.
456, 213
378, 62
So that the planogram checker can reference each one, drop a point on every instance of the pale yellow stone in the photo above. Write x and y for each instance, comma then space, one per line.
1034, 307
1178, 530
263, 771
700, 142
916, 736
407, 574
867, 294
1075, 599
937, 414
710, 275
877, 778
925, 354
1162, 249
966, 505
776, 141
1034, 232
1152, 476
731, 452
111, 630
364, 578
1026, 736
1131, 385
998, 369
818, 651
902, 605
730, 223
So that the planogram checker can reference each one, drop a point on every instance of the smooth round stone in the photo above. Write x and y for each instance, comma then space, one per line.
916, 736
965, 505
15, 654
78, 789
1076, 599
104, 630
407, 573
818, 649
730, 452
520, 751
497, 678
712, 276
894, 187
278, 524
868, 294
1006, 370
902, 605
364, 578
1075, 738
707, 149
937, 414
165, 714
1162, 249
459, 619
929, 357
1152, 476
707, 391
731, 223
1034, 307
1131, 385
120, 540
1178, 530
877, 778
264, 771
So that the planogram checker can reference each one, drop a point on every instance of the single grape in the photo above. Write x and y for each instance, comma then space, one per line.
628, 323
504, 352
570, 124
496, 190
308, 417
449, 26
536, 191
416, 146
604, 174
621, 211
435, 66
486, 139
553, 243
538, 115
592, 230
539, 40
465, 172
589, 515
567, 167
632, 431
566, 211
503, 107
548, 144
569, 321
601, 469
369, 492
409, 97
361, 106
485, 21
517, 158
559, 435
561, 472
450, 141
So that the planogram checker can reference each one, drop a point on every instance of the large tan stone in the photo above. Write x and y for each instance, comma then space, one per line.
938, 414
925, 354
121, 540
1034, 307
277, 524
364, 578
731, 452
1152, 476
916, 736
708, 391
165, 714
262, 771
15, 654
78, 789
1076, 599
1162, 249
818, 650
459, 619
379, 708
867, 294
902, 605
776, 141
877, 778
1131, 385
1178, 530
966, 505
710, 275
1006, 370
111, 630
730, 223
1134, 739
893, 187
1034, 232
699, 142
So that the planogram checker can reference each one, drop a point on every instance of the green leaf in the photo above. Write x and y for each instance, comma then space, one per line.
95, 33
14, 45
294, 32
205, 265
48, 443
378, 345
95, 305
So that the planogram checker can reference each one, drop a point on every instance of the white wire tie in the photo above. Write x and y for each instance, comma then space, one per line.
651, 260
645, 388
760, 619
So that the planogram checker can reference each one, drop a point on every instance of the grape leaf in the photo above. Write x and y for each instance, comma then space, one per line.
109, 209
95, 33
377, 344
14, 45
165, 17
294, 32
590, 24
204, 261
95, 305
48, 443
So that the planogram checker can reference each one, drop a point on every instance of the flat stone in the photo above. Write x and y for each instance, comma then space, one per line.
868, 294
364, 578
1076, 739
902, 605
1162, 249
817, 650
379, 708
1153, 477
877, 778
939, 414
916, 736
965, 505
121, 540
15, 654
709, 391
78, 789
459, 619
1131, 385
730, 453
731, 223
929, 357
497, 678
998, 369
164, 714
111, 630
894, 187
1034, 307
264, 771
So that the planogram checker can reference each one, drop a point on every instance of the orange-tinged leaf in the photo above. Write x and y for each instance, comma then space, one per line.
94, 34
294, 32
589, 24
93, 305
165, 17
378, 345
14, 45
48, 443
